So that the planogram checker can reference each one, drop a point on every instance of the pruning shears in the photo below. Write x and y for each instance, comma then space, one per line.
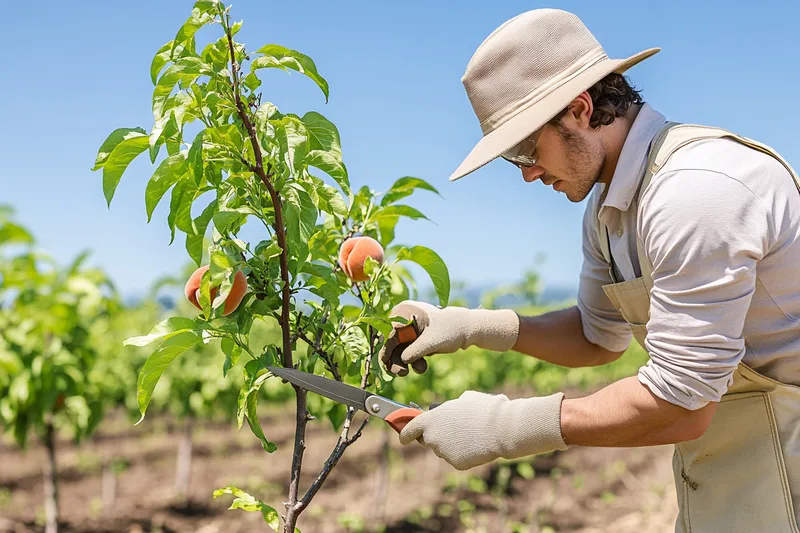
397, 415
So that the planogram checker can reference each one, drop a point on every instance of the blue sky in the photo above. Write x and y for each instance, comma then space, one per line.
78, 70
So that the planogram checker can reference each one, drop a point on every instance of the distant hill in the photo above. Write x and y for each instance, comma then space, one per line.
550, 294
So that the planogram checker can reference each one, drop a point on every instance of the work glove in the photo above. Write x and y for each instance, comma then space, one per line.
478, 428
446, 330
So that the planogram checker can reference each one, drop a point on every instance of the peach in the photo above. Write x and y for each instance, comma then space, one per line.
192, 290
354, 253
60, 399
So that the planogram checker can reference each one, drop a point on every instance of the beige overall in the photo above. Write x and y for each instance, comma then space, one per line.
743, 474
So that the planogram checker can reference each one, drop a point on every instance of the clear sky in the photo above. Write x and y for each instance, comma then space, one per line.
74, 71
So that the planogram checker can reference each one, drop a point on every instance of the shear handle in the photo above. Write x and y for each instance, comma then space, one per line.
408, 333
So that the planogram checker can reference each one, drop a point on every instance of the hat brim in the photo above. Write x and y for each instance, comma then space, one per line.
517, 128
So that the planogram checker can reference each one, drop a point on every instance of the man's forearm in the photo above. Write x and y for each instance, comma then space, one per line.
557, 337
626, 413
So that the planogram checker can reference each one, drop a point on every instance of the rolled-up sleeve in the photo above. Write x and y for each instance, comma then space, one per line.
602, 322
703, 232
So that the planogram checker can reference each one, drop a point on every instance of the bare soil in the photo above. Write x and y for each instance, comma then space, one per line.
581, 490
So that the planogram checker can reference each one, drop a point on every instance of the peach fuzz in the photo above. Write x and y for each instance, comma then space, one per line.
354, 253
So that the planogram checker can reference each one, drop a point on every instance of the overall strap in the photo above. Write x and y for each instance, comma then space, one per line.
670, 138
605, 247
602, 230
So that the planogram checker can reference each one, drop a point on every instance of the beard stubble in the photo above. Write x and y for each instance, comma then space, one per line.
585, 164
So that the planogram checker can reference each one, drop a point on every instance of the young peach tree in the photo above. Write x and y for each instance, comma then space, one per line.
326, 271
52, 321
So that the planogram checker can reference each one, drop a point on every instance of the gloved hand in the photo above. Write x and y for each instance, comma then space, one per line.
478, 428
446, 330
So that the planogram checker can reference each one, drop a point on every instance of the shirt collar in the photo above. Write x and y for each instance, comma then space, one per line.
632, 159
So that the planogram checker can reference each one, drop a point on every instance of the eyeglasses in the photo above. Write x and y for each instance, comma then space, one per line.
521, 155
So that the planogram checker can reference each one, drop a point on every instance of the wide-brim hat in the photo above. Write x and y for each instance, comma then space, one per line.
526, 72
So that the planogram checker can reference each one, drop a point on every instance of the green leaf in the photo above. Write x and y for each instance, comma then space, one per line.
204, 293
207, 6
11, 233
401, 210
526, 470
270, 250
158, 361
180, 206
222, 273
322, 134
266, 112
325, 197
195, 158
251, 81
167, 128
227, 219
277, 56
301, 219
292, 137
326, 162
194, 238
232, 352
168, 173
226, 136
383, 325
217, 53
246, 502
386, 225
404, 187
164, 55
19, 390
118, 160
200, 17
335, 203
433, 265
255, 423
355, 343
255, 373
336, 415
185, 70
116, 137
163, 330
74, 268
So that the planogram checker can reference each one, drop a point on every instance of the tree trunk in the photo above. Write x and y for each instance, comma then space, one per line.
50, 486
382, 481
109, 484
301, 420
184, 469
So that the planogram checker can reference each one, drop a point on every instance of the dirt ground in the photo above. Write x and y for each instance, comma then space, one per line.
581, 490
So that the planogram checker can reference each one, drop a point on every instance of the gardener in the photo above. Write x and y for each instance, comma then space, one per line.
691, 244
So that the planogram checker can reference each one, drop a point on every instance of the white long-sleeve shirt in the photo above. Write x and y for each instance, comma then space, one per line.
720, 223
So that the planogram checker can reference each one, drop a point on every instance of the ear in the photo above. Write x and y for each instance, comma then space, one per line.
580, 110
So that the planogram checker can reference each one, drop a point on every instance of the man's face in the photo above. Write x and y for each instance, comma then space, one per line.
567, 158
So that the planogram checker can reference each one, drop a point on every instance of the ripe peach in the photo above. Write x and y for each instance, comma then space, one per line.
59, 401
192, 290
354, 253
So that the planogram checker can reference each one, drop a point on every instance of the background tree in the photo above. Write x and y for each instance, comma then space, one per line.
51, 321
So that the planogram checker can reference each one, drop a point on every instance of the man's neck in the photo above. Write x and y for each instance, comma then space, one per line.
614, 136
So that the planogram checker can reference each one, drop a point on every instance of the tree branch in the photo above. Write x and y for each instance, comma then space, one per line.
341, 445
280, 233
280, 230
344, 440
324, 355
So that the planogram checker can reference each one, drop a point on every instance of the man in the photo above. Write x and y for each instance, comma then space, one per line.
691, 243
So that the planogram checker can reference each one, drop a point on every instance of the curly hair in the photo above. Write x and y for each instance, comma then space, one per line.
612, 97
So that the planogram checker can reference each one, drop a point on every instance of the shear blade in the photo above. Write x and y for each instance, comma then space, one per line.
335, 390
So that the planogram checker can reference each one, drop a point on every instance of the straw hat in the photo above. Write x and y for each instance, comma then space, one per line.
526, 72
